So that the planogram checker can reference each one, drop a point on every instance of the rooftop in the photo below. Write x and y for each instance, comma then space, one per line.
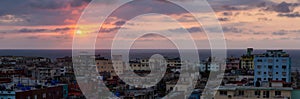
232, 88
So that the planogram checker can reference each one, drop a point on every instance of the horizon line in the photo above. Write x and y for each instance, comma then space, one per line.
150, 49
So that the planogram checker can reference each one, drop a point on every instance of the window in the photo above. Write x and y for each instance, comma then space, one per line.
284, 79
258, 66
284, 66
223, 92
241, 93
269, 79
258, 79
277, 93
258, 72
270, 66
257, 93
266, 94
259, 60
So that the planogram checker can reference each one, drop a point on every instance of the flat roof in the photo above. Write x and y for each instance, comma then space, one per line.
232, 88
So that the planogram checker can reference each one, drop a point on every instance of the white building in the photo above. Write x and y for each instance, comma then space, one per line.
209, 67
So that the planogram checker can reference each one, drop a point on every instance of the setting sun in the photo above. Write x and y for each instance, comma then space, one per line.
79, 32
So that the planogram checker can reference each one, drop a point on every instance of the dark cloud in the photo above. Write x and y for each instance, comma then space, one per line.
280, 33
258, 33
186, 18
227, 13
290, 15
61, 29
232, 30
63, 37
109, 30
191, 30
195, 29
283, 7
59, 12
56, 4
119, 23
41, 12
79, 3
232, 8
25, 30
47, 4
223, 19
139, 7
151, 35
30, 30
225, 5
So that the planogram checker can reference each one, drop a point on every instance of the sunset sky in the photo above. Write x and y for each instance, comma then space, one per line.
50, 24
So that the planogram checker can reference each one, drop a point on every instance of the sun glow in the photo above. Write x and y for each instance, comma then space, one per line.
79, 32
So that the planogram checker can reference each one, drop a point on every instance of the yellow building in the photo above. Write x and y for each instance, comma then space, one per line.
247, 60
110, 66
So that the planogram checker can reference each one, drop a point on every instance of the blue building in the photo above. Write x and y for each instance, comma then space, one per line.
273, 65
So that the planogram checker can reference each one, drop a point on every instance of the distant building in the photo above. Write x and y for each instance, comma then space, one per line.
247, 60
273, 65
139, 94
248, 92
232, 63
209, 67
50, 92
174, 62
110, 66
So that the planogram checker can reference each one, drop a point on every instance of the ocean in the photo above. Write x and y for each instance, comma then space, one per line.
140, 53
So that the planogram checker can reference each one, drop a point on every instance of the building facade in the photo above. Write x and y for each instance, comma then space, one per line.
247, 92
232, 63
247, 60
53, 92
274, 65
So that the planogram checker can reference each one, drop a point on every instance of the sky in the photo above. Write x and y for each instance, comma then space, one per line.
51, 24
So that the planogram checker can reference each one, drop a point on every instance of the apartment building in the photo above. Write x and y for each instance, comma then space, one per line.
249, 92
272, 65
247, 60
